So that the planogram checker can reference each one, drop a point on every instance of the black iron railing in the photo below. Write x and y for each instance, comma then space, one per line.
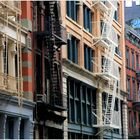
53, 100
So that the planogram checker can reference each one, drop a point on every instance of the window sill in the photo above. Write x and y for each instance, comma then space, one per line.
118, 56
74, 22
90, 34
116, 22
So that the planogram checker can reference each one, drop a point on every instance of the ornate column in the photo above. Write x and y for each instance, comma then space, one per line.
99, 111
1, 62
125, 119
29, 127
17, 122
65, 124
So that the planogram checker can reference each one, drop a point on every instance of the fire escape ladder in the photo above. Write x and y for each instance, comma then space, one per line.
110, 103
109, 69
55, 65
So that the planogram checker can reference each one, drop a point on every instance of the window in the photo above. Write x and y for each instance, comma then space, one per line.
133, 88
9, 128
130, 122
137, 61
73, 49
116, 14
82, 99
127, 58
72, 9
88, 56
116, 107
101, 26
135, 120
47, 76
22, 131
117, 49
87, 19
133, 61
128, 86
38, 72
5, 58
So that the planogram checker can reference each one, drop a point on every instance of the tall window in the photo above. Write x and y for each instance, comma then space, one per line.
5, 58
133, 61
73, 49
72, 9
133, 88
88, 56
130, 121
22, 131
9, 134
128, 86
135, 120
101, 26
87, 19
127, 58
82, 99
137, 61
117, 49
116, 14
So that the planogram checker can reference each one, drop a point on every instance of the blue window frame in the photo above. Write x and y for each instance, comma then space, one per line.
72, 9
81, 101
87, 18
9, 134
88, 56
116, 14
73, 49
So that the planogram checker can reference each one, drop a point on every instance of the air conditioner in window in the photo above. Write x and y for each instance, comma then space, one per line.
68, 36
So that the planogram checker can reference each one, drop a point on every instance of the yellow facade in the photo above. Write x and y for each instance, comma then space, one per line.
78, 71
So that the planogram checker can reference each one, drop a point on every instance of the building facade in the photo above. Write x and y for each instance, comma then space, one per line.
132, 35
16, 108
94, 69
132, 43
69, 58
48, 37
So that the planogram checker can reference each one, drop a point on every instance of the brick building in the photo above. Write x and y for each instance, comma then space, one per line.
73, 64
132, 43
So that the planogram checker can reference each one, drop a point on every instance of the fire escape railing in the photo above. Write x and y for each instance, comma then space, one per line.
54, 35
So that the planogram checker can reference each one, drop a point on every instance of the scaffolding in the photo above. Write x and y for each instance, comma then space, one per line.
11, 84
106, 38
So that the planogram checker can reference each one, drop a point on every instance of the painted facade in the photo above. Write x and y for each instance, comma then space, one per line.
78, 79
16, 109
82, 62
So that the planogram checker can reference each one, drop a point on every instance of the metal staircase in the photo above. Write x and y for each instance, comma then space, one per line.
54, 37
107, 40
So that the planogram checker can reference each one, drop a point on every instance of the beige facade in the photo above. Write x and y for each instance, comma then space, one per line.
93, 78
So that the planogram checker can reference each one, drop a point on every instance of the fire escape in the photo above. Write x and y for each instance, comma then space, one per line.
108, 70
53, 36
